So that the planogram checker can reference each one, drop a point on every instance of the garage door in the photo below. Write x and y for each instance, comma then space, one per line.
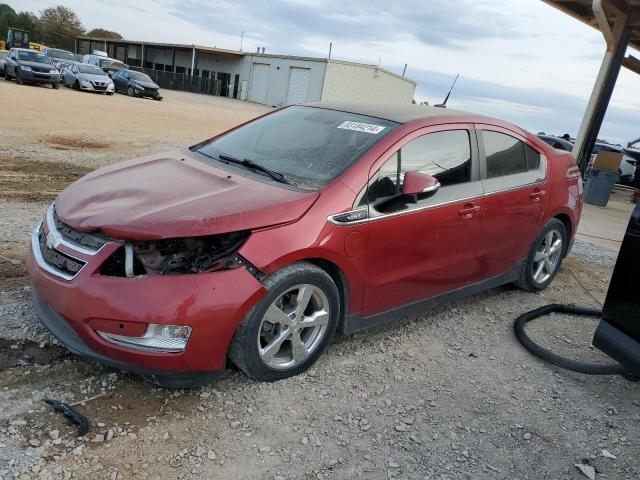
298, 85
259, 83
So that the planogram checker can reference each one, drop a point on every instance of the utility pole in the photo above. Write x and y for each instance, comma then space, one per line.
330, 47
241, 38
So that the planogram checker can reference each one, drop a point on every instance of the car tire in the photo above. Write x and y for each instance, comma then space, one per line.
76, 85
272, 342
131, 92
545, 257
19, 80
7, 77
56, 86
109, 93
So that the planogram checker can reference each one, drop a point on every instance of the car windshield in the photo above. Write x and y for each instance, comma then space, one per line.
139, 76
61, 54
114, 64
33, 57
309, 146
92, 69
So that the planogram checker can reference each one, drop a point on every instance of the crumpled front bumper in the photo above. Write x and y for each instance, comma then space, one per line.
75, 307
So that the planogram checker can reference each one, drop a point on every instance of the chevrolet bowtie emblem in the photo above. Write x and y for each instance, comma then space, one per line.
50, 242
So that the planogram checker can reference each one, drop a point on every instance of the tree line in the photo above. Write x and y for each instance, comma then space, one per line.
54, 26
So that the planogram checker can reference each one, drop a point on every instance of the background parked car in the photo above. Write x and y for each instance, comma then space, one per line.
109, 65
136, 84
30, 66
557, 142
3, 57
627, 170
89, 78
59, 57
632, 155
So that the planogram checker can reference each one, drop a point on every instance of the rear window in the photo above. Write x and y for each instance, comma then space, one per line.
310, 146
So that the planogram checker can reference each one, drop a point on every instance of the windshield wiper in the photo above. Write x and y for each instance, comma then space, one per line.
277, 176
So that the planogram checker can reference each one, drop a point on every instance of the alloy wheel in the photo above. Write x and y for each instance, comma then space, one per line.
547, 256
293, 327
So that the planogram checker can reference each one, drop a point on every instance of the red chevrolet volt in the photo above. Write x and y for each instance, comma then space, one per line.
258, 244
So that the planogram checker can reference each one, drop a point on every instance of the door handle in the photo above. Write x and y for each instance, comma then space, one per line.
537, 195
469, 211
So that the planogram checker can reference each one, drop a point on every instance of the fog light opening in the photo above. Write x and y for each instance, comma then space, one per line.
157, 338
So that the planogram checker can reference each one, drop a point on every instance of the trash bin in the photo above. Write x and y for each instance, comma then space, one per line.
599, 186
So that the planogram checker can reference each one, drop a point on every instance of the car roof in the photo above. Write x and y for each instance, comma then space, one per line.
400, 112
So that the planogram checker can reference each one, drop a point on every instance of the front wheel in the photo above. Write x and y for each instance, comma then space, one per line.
545, 257
286, 332
56, 86
19, 80
131, 92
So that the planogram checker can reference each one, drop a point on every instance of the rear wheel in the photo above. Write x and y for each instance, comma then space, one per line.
286, 332
545, 257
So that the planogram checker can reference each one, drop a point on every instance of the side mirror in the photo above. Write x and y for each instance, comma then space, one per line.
416, 182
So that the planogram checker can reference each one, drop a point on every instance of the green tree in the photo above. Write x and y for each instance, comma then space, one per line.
102, 33
7, 19
59, 26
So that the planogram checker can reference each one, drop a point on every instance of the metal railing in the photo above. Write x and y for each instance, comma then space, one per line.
183, 82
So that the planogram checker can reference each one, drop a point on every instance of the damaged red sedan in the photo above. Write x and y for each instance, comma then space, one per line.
258, 244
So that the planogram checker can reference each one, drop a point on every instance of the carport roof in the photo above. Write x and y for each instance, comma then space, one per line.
583, 11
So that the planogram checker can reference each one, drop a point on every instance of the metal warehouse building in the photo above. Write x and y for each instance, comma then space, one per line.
274, 80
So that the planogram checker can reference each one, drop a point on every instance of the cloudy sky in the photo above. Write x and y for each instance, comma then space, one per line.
520, 60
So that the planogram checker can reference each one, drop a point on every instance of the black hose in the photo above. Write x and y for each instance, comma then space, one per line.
553, 358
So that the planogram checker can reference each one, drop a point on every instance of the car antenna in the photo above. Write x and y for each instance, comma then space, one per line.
446, 99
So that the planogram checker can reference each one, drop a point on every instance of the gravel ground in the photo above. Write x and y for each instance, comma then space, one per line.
447, 394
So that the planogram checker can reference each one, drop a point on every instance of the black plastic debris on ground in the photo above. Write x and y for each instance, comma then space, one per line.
72, 415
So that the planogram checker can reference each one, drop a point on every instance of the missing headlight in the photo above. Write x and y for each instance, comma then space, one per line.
179, 256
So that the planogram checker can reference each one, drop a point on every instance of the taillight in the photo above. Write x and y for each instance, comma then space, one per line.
573, 172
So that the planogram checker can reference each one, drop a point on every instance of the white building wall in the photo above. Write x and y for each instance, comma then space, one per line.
279, 70
347, 82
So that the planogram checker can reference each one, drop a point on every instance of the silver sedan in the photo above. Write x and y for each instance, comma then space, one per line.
86, 77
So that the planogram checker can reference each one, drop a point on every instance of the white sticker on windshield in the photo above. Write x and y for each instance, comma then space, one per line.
362, 127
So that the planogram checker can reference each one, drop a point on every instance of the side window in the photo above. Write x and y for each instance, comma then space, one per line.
505, 154
444, 155
533, 158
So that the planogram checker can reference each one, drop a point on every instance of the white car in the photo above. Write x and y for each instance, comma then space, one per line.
89, 78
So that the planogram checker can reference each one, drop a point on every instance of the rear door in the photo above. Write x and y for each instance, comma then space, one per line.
423, 246
513, 175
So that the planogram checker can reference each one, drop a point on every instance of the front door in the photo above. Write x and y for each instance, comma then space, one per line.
513, 174
423, 246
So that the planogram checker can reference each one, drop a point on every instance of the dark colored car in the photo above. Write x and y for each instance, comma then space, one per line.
31, 66
557, 142
136, 84
259, 243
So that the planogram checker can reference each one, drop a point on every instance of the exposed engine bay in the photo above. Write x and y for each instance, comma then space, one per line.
176, 256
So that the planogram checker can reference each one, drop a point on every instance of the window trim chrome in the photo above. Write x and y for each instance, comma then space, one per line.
331, 218
42, 263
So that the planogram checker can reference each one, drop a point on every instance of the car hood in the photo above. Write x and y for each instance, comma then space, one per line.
174, 195
94, 77
146, 84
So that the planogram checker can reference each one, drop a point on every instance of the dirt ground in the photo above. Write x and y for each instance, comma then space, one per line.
447, 394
